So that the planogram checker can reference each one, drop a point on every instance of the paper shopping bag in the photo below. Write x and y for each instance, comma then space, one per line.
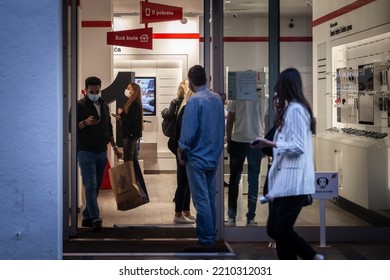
125, 186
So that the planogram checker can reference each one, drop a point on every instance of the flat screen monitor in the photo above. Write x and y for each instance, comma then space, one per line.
148, 91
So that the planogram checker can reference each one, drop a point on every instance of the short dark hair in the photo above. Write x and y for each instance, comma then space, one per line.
93, 81
197, 75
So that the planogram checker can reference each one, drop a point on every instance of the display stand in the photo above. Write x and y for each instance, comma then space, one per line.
326, 188
322, 224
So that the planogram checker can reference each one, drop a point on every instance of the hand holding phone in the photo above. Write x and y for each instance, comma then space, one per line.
116, 116
255, 142
260, 143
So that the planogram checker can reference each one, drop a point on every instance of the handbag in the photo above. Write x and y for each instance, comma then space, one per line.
169, 117
128, 185
269, 136
168, 124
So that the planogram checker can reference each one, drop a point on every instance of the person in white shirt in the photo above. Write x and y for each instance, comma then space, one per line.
291, 176
245, 121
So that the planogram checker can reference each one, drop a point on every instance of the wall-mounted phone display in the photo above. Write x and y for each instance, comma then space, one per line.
366, 94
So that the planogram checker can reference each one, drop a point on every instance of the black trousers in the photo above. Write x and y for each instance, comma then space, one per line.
283, 212
183, 193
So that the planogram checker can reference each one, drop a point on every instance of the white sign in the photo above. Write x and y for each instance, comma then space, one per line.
242, 85
326, 185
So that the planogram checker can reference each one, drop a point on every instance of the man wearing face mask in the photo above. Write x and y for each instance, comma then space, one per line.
94, 133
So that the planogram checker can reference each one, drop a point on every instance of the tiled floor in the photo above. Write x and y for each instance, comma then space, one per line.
159, 213
160, 210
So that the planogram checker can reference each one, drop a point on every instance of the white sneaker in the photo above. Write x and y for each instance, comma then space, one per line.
182, 220
192, 218
230, 223
319, 257
251, 223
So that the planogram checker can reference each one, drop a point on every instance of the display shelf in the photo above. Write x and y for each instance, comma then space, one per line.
355, 137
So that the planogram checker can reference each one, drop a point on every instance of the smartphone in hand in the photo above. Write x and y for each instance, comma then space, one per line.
255, 142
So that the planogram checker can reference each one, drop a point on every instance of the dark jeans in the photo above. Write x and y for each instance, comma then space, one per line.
130, 149
238, 152
283, 212
182, 194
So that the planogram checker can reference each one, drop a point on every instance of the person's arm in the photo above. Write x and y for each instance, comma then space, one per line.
229, 125
115, 147
294, 129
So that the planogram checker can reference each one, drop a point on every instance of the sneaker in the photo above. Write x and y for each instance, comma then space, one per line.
87, 223
319, 257
182, 220
251, 223
97, 226
230, 223
192, 218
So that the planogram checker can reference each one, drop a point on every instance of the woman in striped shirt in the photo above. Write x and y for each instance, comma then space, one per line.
291, 176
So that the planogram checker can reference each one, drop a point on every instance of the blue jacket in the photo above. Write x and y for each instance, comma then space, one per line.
203, 128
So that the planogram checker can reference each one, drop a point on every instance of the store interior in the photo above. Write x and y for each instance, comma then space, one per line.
352, 112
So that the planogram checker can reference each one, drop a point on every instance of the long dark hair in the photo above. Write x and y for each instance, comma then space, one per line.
135, 97
289, 89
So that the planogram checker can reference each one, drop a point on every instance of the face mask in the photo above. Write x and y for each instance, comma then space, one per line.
93, 97
127, 93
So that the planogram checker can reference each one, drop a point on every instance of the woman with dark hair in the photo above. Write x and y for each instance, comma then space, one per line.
131, 117
291, 175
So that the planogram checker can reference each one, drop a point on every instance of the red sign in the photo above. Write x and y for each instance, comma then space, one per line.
152, 12
135, 38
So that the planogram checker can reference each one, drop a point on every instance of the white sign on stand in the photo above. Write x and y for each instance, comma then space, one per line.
326, 185
326, 188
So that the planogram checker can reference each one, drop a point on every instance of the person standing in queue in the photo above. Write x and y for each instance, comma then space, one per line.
131, 117
183, 194
200, 146
94, 133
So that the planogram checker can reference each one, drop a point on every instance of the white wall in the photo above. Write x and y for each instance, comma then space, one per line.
31, 130
95, 55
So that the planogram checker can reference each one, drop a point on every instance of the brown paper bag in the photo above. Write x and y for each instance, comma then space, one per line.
124, 185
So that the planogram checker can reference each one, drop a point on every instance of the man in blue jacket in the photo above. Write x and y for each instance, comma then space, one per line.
200, 146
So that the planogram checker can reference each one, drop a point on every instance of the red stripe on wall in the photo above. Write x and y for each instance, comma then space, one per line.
296, 39
96, 23
176, 36
245, 39
70, 2
342, 11
263, 39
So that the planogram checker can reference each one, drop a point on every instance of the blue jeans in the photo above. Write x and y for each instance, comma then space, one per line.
92, 166
203, 187
238, 152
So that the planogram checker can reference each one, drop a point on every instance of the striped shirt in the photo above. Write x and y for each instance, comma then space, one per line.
292, 170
